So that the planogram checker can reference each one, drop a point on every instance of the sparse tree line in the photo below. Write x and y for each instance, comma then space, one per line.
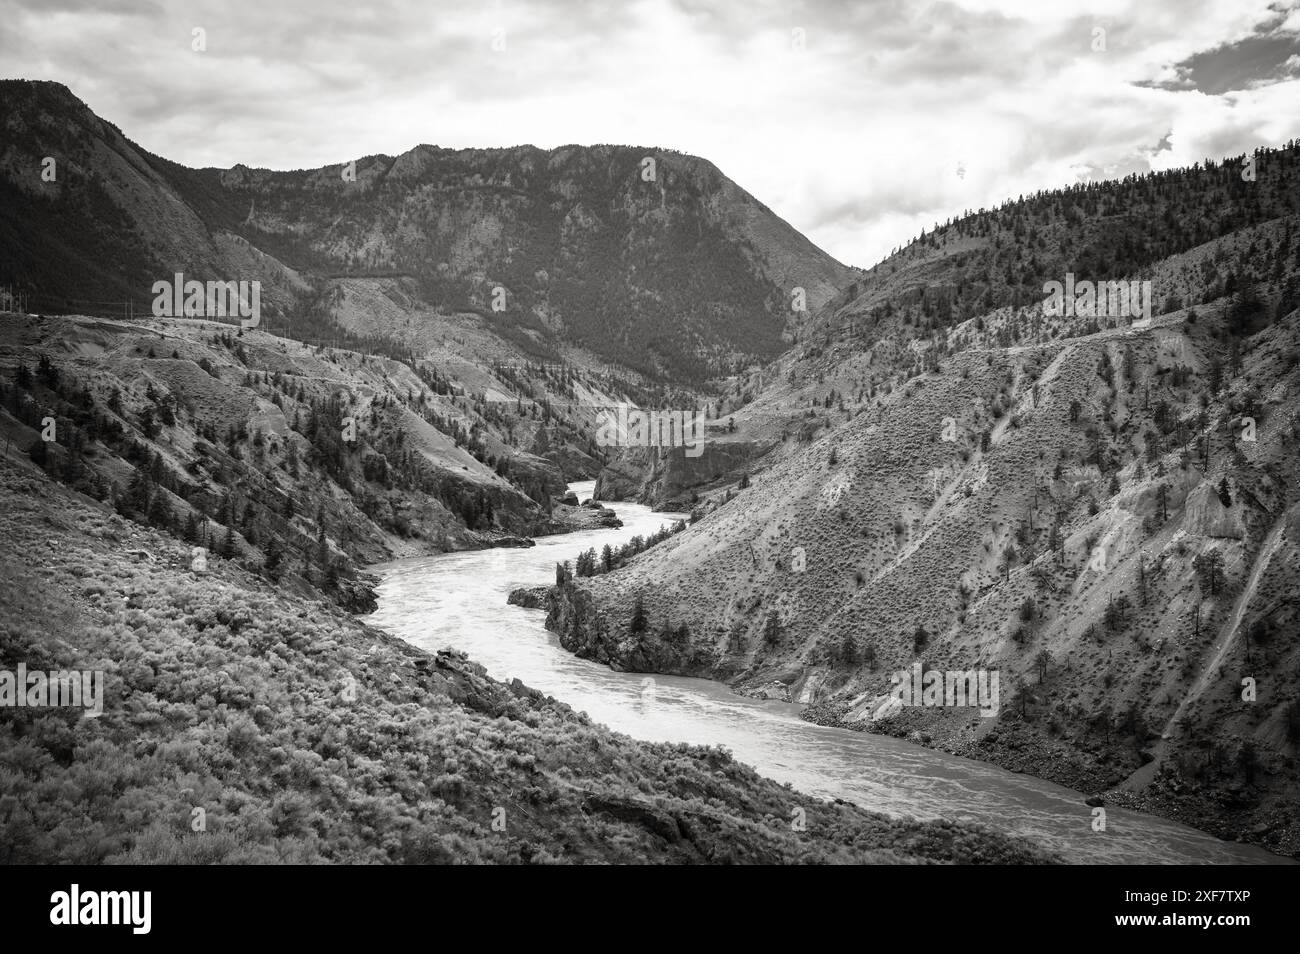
589, 563
158, 495
253, 510
1104, 228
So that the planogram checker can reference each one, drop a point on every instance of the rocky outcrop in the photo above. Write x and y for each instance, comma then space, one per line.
511, 541
584, 631
772, 691
531, 597
568, 518
1208, 517
571, 461
664, 478
527, 470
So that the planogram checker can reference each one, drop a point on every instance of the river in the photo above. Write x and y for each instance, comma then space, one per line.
458, 600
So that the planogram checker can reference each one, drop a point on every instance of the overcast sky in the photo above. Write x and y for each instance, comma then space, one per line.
860, 123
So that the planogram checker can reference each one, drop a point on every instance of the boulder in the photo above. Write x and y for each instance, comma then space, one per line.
533, 597
775, 690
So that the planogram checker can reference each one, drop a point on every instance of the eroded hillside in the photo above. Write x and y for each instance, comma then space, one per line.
1101, 508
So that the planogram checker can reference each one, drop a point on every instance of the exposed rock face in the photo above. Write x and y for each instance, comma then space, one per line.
1208, 517
537, 472
358, 595
664, 478
572, 462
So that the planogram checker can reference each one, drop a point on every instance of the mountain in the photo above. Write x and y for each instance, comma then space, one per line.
649, 260
379, 297
1104, 509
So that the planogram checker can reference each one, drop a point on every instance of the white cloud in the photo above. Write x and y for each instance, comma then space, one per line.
855, 139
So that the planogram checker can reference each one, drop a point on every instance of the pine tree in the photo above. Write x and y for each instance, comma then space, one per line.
274, 558
681, 636
47, 372
1043, 662
1113, 618
637, 625
1224, 496
736, 639
920, 639
772, 629
849, 650
160, 510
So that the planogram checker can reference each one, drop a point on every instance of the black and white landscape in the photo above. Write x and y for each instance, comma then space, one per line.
672, 432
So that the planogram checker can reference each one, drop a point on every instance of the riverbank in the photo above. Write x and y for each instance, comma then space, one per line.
1228, 810
1218, 791
460, 601
259, 727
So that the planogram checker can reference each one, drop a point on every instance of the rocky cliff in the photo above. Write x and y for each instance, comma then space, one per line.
667, 478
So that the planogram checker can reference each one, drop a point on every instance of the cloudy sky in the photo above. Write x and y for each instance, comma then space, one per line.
860, 123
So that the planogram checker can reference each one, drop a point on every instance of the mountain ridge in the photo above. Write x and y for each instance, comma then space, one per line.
702, 280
